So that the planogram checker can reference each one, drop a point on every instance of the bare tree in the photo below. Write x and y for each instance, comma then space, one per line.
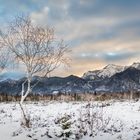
3, 59
4, 56
36, 48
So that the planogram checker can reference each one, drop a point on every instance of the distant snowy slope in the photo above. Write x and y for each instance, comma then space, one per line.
110, 70
91, 74
136, 65
107, 71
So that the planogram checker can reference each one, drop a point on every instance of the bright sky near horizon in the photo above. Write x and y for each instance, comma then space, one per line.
99, 32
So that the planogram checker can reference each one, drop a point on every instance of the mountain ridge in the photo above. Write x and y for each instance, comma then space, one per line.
108, 71
110, 79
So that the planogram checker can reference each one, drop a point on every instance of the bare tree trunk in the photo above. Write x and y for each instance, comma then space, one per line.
26, 118
23, 96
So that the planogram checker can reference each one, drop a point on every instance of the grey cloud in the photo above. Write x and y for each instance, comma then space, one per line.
108, 56
119, 56
89, 22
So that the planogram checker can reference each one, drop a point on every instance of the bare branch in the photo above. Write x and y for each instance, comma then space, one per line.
36, 47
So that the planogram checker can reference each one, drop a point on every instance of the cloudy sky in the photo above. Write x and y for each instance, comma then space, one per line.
99, 32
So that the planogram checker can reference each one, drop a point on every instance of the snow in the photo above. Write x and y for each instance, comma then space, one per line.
101, 88
136, 65
107, 71
109, 120
90, 74
110, 70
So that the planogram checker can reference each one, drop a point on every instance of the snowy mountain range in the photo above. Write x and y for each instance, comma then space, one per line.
110, 79
108, 71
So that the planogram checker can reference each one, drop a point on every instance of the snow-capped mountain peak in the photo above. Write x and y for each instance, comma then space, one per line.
136, 65
110, 70
107, 71
90, 74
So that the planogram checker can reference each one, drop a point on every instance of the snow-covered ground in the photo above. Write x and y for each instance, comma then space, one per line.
109, 120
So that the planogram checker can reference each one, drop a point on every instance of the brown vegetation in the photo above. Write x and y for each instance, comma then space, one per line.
72, 97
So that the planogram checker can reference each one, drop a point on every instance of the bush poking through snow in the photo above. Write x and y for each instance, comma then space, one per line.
92, 119
65, 123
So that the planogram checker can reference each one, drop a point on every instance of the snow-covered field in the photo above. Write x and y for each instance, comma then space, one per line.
109, 120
